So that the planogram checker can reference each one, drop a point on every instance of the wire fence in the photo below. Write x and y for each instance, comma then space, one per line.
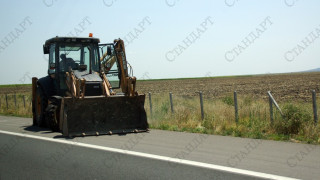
273, 106
16, 104
235, 114
22, 103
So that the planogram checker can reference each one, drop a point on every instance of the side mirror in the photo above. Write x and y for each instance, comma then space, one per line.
109, 50
45, 49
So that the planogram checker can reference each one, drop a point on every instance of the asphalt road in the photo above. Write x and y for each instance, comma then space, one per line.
25, 157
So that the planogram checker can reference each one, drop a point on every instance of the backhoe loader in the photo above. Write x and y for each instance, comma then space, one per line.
79, 95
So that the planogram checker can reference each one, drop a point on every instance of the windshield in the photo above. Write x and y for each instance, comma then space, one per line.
109, 64
77, 57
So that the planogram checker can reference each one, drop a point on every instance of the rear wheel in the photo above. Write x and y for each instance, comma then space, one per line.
40, 106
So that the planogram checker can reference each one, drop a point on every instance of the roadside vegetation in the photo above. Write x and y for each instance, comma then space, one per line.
296, 124
22, 107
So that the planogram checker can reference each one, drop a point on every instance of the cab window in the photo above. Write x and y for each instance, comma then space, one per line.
52, 58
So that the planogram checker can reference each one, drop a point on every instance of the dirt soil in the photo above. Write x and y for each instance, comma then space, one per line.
284, 87
15, 89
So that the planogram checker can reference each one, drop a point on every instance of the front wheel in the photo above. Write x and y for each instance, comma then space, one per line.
53, 113
40, 106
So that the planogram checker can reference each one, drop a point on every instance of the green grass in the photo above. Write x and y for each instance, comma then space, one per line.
15, 85
233, 76
236, 76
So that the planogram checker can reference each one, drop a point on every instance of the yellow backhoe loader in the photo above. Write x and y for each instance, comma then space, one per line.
79, 96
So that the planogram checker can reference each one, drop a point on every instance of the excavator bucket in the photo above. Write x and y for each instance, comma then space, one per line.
103, 115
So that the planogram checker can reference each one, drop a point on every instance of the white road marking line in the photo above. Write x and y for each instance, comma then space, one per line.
157, 157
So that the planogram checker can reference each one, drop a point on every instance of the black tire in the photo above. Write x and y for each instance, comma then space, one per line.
52, 118
41, 103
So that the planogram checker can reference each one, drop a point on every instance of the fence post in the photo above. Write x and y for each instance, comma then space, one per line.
150, 102
236, 106
24, 101
7, 102
171, 103
271, 109
275, 102
315, 113
15, 100
201, 105
0, 102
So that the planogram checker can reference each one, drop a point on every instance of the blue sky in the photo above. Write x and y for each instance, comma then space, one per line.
162, 27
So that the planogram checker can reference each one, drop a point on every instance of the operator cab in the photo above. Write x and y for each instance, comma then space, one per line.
82, 57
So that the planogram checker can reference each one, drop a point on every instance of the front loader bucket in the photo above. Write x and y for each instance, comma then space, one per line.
103, 115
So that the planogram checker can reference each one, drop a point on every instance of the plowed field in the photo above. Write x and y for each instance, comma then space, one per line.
291, 87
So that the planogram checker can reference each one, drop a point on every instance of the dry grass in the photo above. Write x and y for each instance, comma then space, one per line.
20, 108
254, 118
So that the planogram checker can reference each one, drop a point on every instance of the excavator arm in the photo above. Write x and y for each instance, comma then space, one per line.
127, 83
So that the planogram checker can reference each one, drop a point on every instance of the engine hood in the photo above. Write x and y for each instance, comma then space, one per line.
93, 77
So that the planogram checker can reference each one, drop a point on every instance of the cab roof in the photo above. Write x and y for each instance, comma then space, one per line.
72, 40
